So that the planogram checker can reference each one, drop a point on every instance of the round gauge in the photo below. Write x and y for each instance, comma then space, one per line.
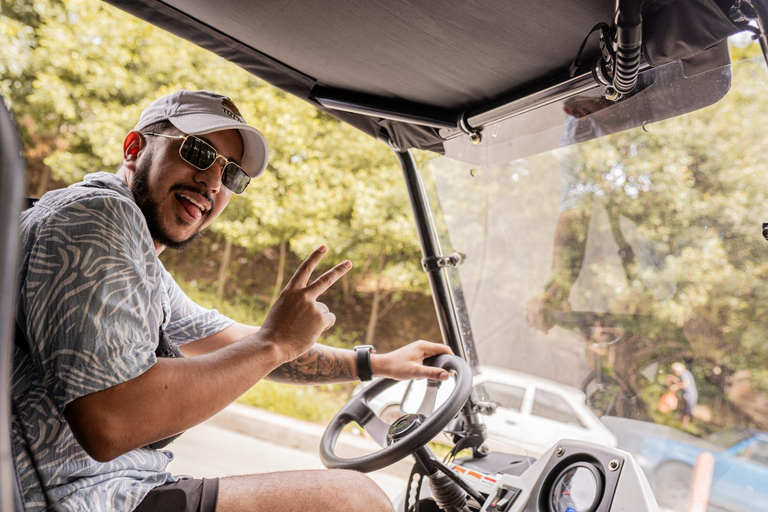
578, 488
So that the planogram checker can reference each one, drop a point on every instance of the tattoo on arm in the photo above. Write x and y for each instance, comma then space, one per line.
320, 365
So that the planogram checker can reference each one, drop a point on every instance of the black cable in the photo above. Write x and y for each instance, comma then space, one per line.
603, 28
629, 39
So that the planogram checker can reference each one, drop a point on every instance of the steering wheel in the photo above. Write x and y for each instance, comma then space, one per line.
405, 434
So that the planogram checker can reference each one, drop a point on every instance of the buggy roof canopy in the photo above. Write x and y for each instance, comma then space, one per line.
431, 60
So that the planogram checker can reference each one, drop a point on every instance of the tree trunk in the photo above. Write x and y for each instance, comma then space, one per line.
370, 332
224, 270
280, 272
346, 287
44, 178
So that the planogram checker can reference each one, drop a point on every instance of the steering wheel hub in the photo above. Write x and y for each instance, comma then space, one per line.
404, 426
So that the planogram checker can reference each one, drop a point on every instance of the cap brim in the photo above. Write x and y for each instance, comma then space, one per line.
255, 147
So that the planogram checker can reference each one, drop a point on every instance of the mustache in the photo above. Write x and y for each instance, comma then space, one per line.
196, 190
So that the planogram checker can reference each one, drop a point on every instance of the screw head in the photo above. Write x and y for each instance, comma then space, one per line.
560, 451
613, 465
476, 138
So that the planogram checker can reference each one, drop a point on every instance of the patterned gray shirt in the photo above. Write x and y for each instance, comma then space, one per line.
93, 296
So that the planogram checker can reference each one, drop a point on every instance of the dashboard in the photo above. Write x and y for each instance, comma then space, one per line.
573, 476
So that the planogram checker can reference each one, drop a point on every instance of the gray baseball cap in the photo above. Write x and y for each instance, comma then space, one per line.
201, 112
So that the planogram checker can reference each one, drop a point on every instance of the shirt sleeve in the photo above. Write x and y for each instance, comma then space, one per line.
91, 297
190, 321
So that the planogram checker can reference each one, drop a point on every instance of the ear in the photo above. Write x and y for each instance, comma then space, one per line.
132, 146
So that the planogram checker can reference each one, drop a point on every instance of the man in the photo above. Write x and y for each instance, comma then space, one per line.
97, 381
686, 384
627, 198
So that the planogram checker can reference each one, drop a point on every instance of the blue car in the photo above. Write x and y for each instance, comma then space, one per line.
740, 476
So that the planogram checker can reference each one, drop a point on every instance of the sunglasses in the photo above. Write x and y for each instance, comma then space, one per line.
200, 154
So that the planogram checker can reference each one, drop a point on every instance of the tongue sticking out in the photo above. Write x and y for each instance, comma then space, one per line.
190, 207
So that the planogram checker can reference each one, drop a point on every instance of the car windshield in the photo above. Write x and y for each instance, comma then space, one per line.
620, 273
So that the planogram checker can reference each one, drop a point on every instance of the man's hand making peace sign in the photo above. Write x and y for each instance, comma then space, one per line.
297, 320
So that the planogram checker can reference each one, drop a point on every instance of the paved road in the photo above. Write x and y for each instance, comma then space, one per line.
209, 450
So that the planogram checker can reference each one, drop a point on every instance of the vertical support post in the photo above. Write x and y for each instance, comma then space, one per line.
762, 24
441, 292
12, 179
701, 482
430, 248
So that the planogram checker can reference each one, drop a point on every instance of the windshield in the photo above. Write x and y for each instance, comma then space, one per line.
619, 279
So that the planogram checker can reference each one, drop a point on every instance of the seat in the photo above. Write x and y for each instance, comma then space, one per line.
12, 180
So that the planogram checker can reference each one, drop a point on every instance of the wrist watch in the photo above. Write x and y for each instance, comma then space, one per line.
364, 370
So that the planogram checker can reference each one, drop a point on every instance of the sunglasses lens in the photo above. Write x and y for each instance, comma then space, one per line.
198, 152
235, 178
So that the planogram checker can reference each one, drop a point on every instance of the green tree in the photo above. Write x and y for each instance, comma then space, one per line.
86, 70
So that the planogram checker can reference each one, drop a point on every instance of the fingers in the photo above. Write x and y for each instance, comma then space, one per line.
325, 281
301, 277
330, 320
436, 373
433, 349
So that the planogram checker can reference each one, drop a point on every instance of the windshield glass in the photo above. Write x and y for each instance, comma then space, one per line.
620, 281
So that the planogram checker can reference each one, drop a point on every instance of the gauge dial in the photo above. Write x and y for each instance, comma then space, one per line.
577, 489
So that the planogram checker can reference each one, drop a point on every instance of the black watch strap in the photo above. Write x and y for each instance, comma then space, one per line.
364, 370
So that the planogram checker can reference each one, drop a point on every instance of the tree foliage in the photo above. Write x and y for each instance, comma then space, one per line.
77, 74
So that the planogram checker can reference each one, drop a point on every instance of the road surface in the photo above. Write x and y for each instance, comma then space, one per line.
208, 451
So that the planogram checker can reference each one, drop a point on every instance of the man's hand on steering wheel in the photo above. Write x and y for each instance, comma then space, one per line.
408, 362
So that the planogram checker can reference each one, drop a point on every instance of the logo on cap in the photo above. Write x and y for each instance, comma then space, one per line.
231, 110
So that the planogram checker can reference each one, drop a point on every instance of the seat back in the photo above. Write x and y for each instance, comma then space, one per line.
12, 178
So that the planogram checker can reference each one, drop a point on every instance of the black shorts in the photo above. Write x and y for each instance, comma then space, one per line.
186, 495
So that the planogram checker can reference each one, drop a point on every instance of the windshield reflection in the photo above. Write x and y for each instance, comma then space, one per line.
624, 278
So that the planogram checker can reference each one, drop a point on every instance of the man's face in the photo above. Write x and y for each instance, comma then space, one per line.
178, 200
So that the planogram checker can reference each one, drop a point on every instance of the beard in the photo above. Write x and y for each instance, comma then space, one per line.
142, 194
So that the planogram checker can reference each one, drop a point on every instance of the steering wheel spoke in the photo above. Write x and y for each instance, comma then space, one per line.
427, 406
377, 429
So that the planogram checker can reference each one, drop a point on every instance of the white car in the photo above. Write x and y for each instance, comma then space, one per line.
533, 413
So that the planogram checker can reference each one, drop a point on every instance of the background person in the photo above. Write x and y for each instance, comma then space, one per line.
686, 384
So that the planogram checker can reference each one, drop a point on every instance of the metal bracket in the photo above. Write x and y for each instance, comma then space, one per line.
476, 136
434, 263
743, 12
485, 408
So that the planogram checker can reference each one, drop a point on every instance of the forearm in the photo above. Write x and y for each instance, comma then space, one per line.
221, 339
170, 397
327, 365
319, 365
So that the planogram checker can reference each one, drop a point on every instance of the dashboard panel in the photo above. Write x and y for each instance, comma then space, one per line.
573, 476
